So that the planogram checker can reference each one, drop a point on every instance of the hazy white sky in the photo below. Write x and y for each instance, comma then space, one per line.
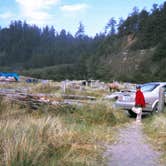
66, 14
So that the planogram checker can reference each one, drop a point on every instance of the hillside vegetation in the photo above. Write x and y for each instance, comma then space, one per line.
130, 50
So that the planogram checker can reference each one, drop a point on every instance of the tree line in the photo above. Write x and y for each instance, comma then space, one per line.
43, 52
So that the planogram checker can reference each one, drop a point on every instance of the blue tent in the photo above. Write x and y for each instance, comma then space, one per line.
15, 75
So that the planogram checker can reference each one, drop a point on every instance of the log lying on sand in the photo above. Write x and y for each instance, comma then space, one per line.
75, 97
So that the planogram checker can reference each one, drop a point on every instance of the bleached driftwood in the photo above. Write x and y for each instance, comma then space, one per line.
35, 101
78, 97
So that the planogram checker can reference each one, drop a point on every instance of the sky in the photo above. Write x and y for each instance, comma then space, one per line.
67, 14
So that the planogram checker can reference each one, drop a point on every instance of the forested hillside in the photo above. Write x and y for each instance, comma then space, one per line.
133, 49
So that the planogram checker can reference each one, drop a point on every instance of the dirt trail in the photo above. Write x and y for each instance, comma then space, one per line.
132, 149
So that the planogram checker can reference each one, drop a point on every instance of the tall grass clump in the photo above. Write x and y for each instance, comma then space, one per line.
94, 122
7, 107
56, 137
26, 142
45, 141
155, 127
96, 114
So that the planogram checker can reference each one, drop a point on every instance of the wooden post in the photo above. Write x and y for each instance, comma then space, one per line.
161, 100
64, 86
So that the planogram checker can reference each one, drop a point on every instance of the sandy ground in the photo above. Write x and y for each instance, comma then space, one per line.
132, 149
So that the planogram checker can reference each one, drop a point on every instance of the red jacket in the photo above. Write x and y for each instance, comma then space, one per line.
139, 99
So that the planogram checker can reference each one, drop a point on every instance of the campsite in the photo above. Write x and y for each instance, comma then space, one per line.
82, 83
69, 123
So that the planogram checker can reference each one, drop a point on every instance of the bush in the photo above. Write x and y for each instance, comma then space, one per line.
96, 114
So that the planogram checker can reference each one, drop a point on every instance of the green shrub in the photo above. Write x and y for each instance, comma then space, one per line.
97, 114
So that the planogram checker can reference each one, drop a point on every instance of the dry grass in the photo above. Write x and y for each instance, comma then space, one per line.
155, 127
27, 141
12, 85
50, 87
87, 92
65, 137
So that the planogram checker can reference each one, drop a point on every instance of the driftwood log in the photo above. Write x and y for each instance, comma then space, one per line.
35, 101
77, 97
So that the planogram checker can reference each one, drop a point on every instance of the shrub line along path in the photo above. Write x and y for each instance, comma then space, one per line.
132, 149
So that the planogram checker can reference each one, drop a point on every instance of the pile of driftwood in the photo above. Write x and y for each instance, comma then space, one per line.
35, 101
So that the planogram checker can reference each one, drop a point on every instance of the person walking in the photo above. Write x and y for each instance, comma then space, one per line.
139, 103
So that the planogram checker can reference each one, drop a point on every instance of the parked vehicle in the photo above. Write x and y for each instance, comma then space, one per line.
115, 95
126, 100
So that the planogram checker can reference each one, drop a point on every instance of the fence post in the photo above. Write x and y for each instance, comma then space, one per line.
161, 100
64, 86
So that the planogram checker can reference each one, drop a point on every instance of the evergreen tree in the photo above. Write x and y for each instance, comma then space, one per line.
110, 28
80, 32
120, 26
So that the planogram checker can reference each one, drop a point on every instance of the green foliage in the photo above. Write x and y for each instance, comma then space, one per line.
110, 27
160, 52
44, 53
59, 72
31, 46
97, 114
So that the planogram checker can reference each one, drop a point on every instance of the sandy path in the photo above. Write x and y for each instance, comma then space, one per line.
132, 149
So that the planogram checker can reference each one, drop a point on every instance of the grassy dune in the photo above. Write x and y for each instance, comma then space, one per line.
54, 137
